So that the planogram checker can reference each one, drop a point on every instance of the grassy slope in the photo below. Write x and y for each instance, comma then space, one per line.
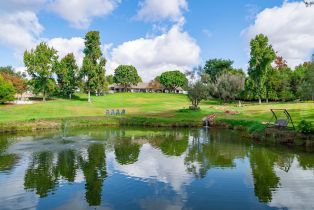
136, 104
159, 106
261, 113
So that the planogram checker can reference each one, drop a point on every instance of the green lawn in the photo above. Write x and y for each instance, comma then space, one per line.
152, 105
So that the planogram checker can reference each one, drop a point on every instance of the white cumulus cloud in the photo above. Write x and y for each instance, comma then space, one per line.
289, 28
73, 45
175, 49
297, 185
155, 10
20, 30
151, 163
80, 13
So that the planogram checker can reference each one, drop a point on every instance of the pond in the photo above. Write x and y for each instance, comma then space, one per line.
130, 168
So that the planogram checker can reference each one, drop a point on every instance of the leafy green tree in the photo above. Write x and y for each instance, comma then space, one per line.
307, 87
40, 63
7, 90
262, 55
228, 86
248, 93
196, 93
126, 76
67, 75
271, 84
93, 68
17, 79
101, 84
284, 89
215, 67
173, 79
298, 78
109, 79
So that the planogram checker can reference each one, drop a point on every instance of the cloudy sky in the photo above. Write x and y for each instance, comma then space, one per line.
157, 35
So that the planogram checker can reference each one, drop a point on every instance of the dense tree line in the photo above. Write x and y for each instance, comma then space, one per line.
268, 78
50, 75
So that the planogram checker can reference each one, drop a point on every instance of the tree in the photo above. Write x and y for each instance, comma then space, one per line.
307, 87
109, 79
298, 78
6, 70
195, 73
126, 76
17, 79
40, 63
6, 90
272, 84
67, 75
215, 67
280, 63
262, 55
196, 93
284, 89
173, 79
101, 84
155, 85
93, 68
228, 86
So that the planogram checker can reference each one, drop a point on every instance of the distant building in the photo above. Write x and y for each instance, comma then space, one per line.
143, 87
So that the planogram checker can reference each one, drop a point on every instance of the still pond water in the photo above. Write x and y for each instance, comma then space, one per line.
103, 168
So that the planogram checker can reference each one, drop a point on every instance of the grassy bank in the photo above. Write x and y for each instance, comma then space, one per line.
148, 109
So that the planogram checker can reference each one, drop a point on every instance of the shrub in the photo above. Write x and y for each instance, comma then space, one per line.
305, 127
7, 91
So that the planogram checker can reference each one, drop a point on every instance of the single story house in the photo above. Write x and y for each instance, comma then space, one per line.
143, 87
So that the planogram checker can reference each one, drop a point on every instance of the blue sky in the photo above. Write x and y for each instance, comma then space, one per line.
156, 36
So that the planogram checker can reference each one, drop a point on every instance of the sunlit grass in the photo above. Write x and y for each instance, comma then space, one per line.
164, 107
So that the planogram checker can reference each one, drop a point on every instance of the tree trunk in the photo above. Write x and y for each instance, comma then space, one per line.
70, 96
44, 96
259, 100
267, 100
89, 99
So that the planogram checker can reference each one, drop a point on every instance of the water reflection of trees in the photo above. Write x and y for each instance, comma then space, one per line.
214, 150
265, 179
66, 165
41, 174
126, 151
7, 161
200, 149
94, 169
171, 144
306, 161
44, 173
